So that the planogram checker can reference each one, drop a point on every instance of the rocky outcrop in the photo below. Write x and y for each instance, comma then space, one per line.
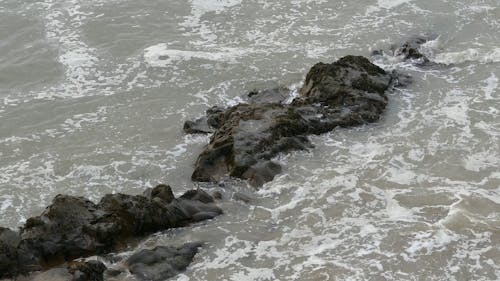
246, 137
348, 92
73, 227
161, 262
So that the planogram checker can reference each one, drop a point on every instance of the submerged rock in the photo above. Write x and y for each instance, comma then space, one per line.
73, 227
410, 50
348, 92
161, 262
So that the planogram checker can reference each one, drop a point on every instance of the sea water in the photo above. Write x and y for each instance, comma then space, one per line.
94, 93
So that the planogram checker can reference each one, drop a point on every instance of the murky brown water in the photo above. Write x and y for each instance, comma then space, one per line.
93, 95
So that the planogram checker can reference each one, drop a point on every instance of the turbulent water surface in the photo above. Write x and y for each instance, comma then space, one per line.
93, 95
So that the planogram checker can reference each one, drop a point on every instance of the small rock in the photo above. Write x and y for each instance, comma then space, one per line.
162, 262
87, 270
164, 192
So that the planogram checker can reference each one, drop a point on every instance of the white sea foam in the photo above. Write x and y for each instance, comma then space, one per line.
469, 55
178, 150
161, 56
490, 129
491, 86
416, 154
385, 5
204, 6
83, 66
294, 92
389, 4
75, 123
482, 160
6, 202
63, 23
78, 121
430, 47
431, 241
352, 207
201, 7
455, 107
254, 274
394, 210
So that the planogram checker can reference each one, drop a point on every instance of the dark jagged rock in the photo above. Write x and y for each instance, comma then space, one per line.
205, 125
214, 115
9, 240
198, 126
87, 270
161, 262
348, 92
73, 227
160, 192
411, 49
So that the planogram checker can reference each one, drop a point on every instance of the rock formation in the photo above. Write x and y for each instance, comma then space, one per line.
348, 92
245, 139
73, 227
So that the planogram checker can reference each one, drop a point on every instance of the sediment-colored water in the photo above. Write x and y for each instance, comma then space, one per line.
93, 95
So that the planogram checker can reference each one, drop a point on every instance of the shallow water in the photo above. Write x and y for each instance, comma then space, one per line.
93, 95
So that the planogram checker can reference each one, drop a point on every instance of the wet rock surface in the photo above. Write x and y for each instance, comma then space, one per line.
9, 240
87, 271
348, 92
74, 227
246, 137
161, 262
273, 95
198, 126
411, 50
